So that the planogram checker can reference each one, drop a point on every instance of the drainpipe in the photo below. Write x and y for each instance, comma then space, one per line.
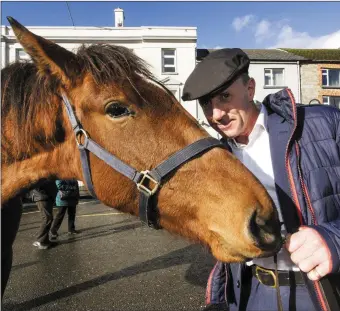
299, 84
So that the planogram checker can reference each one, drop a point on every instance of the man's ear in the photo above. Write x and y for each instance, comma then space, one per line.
50, 58
251, 89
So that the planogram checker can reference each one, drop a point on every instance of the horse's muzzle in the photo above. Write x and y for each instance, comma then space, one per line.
266, 233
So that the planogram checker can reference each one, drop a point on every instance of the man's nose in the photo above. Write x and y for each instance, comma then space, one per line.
217, 113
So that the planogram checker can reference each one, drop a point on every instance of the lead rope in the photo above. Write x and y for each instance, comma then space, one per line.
277, 286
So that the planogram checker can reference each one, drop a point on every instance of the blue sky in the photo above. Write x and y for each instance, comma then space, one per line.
219, 24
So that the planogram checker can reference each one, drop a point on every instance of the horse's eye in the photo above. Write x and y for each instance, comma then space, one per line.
116, 110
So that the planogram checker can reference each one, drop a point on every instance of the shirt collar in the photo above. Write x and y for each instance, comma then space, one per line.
262, 118
260, 124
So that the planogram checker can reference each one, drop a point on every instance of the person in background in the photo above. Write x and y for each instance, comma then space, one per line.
294, 151
66, 200
44, 196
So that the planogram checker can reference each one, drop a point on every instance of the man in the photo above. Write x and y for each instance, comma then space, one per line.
66, 200
295, 153
44, 196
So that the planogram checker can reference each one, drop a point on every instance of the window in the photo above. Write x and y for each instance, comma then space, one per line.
274, 77
174, 92
331, 77
168, 61
21, 55
331, 100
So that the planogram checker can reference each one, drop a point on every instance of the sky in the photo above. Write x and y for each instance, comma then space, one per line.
219, 24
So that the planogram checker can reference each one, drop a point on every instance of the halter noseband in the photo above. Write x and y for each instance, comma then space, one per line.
148, 182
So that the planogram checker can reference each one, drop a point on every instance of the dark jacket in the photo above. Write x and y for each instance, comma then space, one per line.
68, 188
305, 149
45, 192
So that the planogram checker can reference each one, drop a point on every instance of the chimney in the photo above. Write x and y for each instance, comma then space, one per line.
119, 17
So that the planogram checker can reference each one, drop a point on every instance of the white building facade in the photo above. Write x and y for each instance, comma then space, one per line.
273, 77
169, 51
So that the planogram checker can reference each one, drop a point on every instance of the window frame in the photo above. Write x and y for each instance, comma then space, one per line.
329, 100
17, 55
272, 78
323, 100
325, 72
174, 57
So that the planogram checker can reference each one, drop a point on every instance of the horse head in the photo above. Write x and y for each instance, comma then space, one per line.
212, 199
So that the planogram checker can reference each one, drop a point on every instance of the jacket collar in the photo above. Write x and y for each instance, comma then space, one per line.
281, 103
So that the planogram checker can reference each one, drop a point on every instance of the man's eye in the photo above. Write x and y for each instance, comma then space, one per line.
204, 102
224, 96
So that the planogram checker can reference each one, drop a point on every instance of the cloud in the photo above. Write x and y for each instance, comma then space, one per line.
289, 38
279, 33
263, 30
241, 22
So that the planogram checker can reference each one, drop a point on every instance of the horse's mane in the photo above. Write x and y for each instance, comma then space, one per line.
27, 95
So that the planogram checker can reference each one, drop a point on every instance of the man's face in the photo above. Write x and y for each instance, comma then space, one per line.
232, 113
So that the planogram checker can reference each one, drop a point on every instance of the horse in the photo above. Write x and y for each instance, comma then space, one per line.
98, 115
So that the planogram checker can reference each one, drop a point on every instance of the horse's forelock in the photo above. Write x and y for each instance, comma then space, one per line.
108, 63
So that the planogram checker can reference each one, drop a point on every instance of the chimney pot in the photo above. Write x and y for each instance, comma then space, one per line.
119, 17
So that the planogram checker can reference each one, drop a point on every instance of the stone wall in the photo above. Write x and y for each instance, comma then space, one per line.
311, 82
310, 86
324, 91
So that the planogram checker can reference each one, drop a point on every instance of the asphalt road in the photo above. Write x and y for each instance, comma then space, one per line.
115, 264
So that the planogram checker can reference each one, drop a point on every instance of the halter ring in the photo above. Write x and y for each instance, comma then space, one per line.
78, 135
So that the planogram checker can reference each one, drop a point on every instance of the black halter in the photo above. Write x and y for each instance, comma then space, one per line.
148, 182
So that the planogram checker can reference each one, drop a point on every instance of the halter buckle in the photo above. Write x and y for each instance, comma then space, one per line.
259, 271
146, 177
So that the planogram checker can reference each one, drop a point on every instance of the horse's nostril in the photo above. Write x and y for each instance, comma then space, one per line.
260, 221
266, 233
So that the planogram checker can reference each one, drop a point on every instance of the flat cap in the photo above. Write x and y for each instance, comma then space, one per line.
215, 72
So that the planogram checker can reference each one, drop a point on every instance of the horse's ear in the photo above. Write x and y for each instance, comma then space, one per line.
49, 57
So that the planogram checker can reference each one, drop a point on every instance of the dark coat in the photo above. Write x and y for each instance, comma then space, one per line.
45, 192
69, 188
305, 149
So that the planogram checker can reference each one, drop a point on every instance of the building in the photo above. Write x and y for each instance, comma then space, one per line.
320, 75
170, 51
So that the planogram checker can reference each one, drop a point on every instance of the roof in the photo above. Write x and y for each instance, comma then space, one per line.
259, 54
317, 54
285, 54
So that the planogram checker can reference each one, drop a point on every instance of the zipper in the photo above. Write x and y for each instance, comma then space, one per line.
316, 285
304, 188
287, 162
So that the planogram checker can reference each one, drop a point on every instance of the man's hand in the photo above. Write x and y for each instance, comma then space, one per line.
310, 253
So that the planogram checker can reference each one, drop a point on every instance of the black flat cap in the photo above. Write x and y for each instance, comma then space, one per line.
215, 72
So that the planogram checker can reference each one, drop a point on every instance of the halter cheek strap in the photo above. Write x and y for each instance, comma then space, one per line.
147, 182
